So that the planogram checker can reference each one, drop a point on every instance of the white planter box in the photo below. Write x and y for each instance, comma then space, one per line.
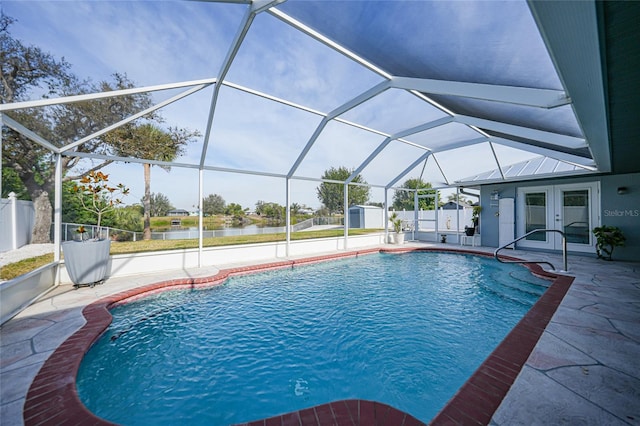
86, 262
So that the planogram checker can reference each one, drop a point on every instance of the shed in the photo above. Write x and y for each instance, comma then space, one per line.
370, 217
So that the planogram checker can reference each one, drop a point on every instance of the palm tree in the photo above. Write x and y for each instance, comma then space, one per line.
150, 142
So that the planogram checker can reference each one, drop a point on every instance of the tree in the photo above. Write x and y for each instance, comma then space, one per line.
272, 211
403, 200
11, 183
460, 198
235, 210
128, 218
322, 212
332, 194
260, 207
159, 204
24, 67
97, 197
213, 204
150, 142
27, 68
294, 208
73, 211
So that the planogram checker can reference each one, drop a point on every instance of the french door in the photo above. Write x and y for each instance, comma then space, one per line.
573, 209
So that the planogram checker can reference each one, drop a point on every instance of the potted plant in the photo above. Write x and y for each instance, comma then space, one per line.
607, 238
87, 259
397, 228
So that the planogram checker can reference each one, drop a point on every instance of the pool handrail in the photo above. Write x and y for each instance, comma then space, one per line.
564, 250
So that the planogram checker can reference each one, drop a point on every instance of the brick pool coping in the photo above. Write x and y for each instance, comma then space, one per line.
53, 398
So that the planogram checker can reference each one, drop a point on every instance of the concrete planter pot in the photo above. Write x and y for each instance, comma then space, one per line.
87, 261
399, 238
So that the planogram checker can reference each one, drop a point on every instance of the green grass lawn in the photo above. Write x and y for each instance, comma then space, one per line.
27, 265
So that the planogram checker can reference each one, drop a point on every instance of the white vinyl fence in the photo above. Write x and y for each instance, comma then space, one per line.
447, 220
16, 222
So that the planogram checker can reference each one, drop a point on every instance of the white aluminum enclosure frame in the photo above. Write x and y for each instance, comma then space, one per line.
420, 88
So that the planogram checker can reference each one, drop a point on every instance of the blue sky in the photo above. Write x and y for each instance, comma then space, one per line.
163, 42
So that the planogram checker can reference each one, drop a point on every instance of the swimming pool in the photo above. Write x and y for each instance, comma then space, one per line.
405, 330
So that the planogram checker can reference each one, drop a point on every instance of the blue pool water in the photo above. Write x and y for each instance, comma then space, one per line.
403, 329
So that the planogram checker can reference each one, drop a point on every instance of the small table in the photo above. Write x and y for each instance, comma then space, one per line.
465, 240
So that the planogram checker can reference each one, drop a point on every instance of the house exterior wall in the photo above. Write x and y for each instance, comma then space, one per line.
621, 210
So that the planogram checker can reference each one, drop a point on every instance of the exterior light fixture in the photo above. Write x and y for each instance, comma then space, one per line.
622, 190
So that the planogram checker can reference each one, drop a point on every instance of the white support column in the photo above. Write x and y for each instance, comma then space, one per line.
1, 143
458, 215
57, 209
346, 215
13, 199
287, 206
200, 215
416, 211
436, 201
386, 215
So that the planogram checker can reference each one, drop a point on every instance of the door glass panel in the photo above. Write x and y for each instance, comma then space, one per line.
535, 215
575, 214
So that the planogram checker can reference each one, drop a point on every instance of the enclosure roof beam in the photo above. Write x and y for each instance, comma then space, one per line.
307, 147
322, 114
128, 159
446, 179
272, 98
134, 117
460, 144
417, 129
328, 42
558, 155
170, 164
258, 6
413, 165
540, 98
247, 20
363, 97
525, 178
103, 95
316, 179
311, 110
495, 157
8, 121
524, 132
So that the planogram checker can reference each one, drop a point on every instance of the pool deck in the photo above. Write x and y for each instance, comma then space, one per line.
584, 369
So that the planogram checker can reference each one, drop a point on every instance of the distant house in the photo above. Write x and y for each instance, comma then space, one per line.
452, 205
178, 212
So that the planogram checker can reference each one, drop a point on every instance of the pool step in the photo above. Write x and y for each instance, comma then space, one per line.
510, 294
518, 285
525, 275
520, 290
